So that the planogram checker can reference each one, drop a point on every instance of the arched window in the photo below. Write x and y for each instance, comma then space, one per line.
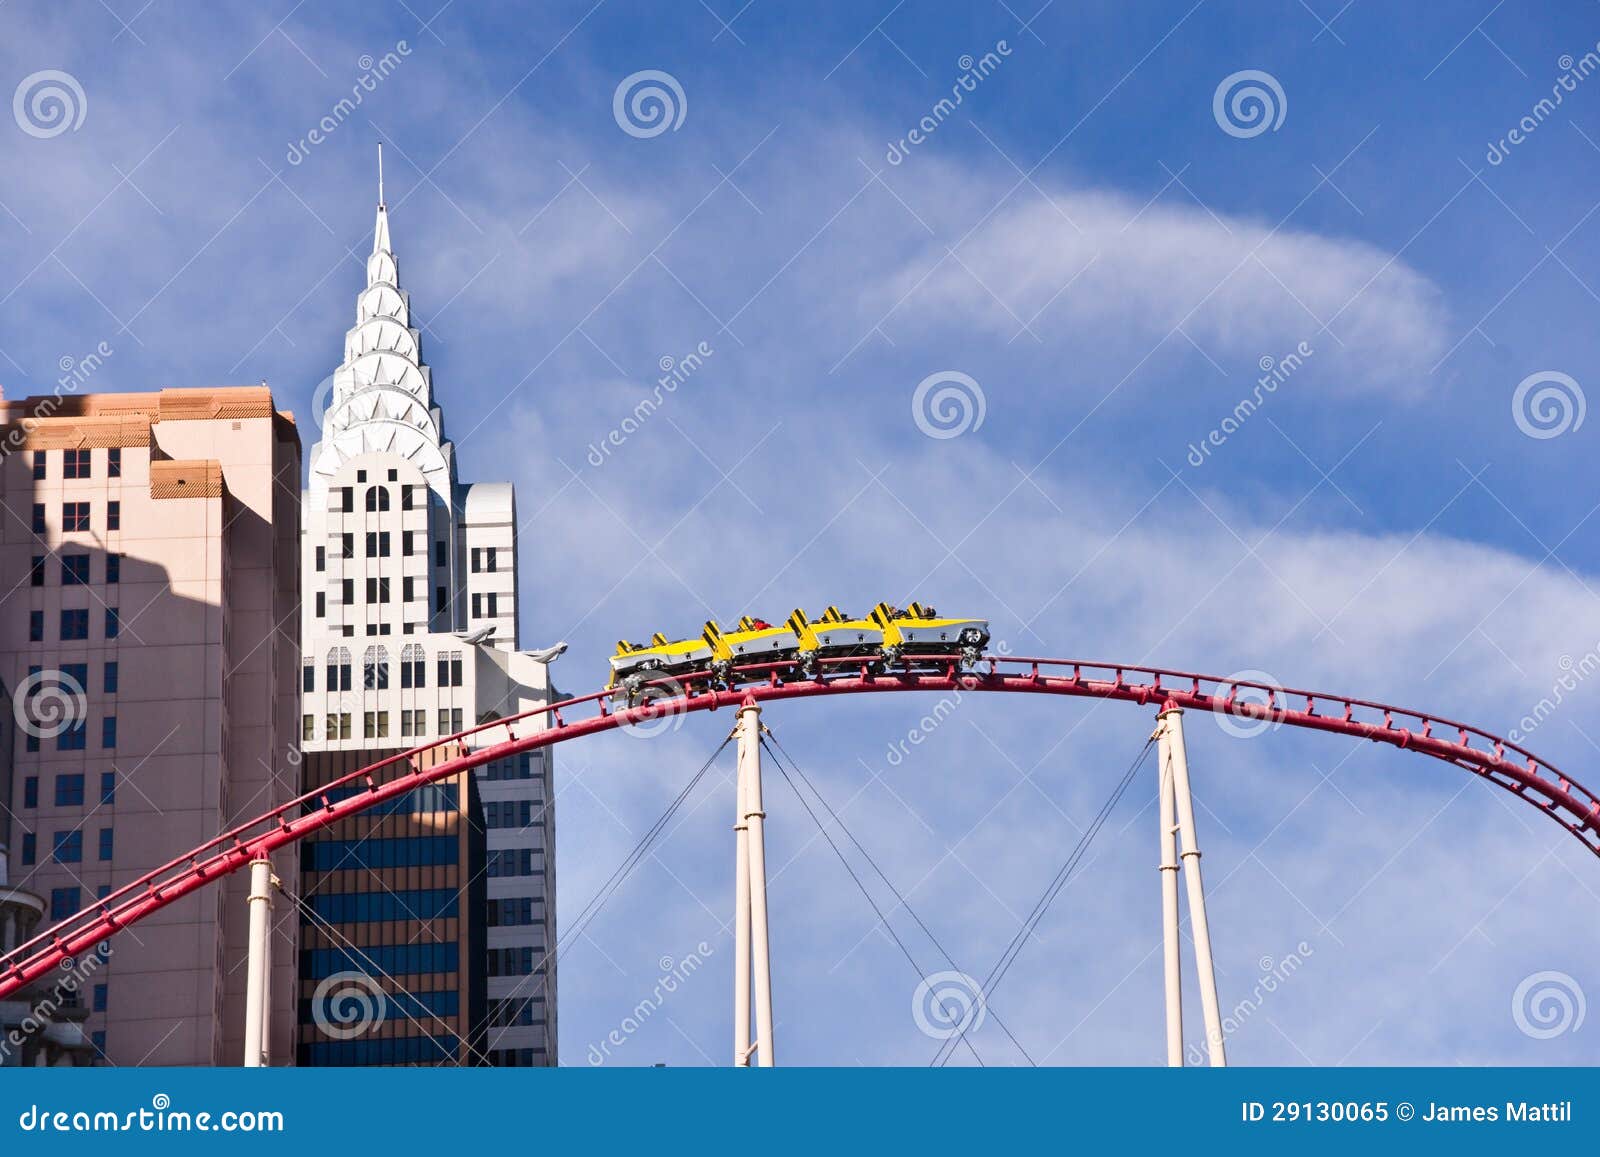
339, 669
377, 498
413, 666
375, 669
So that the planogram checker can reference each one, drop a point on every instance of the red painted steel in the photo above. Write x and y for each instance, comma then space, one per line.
1498, 760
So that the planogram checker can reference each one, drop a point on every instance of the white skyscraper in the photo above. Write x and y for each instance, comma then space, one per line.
409, 628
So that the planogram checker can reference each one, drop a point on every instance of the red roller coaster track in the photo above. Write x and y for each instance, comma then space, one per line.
1500, 761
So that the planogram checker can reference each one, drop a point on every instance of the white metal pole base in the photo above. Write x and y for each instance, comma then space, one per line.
756, 854
258, 1009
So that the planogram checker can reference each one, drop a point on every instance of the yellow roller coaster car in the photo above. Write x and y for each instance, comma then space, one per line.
918, 630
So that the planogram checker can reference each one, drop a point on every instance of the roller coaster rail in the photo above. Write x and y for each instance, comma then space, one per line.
1498, 760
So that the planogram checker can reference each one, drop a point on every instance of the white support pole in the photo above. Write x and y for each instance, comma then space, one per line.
258, 1008
1169, 900
1172, 718
750, 771
741, 918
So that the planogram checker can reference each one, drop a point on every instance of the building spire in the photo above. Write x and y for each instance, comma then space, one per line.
380, 175
380, 230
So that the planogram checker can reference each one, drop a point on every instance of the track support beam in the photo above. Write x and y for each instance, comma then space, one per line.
750, 898
1174, 762
258, 1009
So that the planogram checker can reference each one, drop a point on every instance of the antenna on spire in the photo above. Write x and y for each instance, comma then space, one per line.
380, 175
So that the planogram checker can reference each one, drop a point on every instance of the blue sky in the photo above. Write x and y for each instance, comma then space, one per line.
1086, 242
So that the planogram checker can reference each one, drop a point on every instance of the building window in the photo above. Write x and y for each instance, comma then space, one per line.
308, 728
113, 568
99, 998
113, 516
75, 464
477, 606
308, 677
35, 626
75, 516
492, 601
449, 720
450, 669
347, 591
72, 739
338, 669
65, 902
30, 791
108, 787
413, 666
38, 518
36, 571
39, 466
413, 724
67, 848
375, 669
108, 732
441, 558
322, 604
377, 498
75, 624
74, 570
489, 559
407, 537
338, 726
377, 590
377, 544
322, 559
440, 599
347, 546
114, 462
113, 623
69, 790
106, 843
375, 725
30, 847
477, 560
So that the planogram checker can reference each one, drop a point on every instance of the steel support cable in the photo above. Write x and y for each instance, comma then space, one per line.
615, 881
882, 919
317, 918
898, 895
1042, 905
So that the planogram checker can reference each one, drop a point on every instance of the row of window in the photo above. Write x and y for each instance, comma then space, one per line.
69, 789
74, 569
386, 959
517, 1058
510, 813
516, 1010
75, 516
513, 862
409, 852
369, 907
375, 724
512, 911
76, 736
517, 961
424, 800
405, 1050
73, 624
401, 1006
378, 543
65, 902
375, 669
342, 499
67, 847
519, 766
77, 463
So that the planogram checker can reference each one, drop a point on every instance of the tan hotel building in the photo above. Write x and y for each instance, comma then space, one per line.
149, 548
